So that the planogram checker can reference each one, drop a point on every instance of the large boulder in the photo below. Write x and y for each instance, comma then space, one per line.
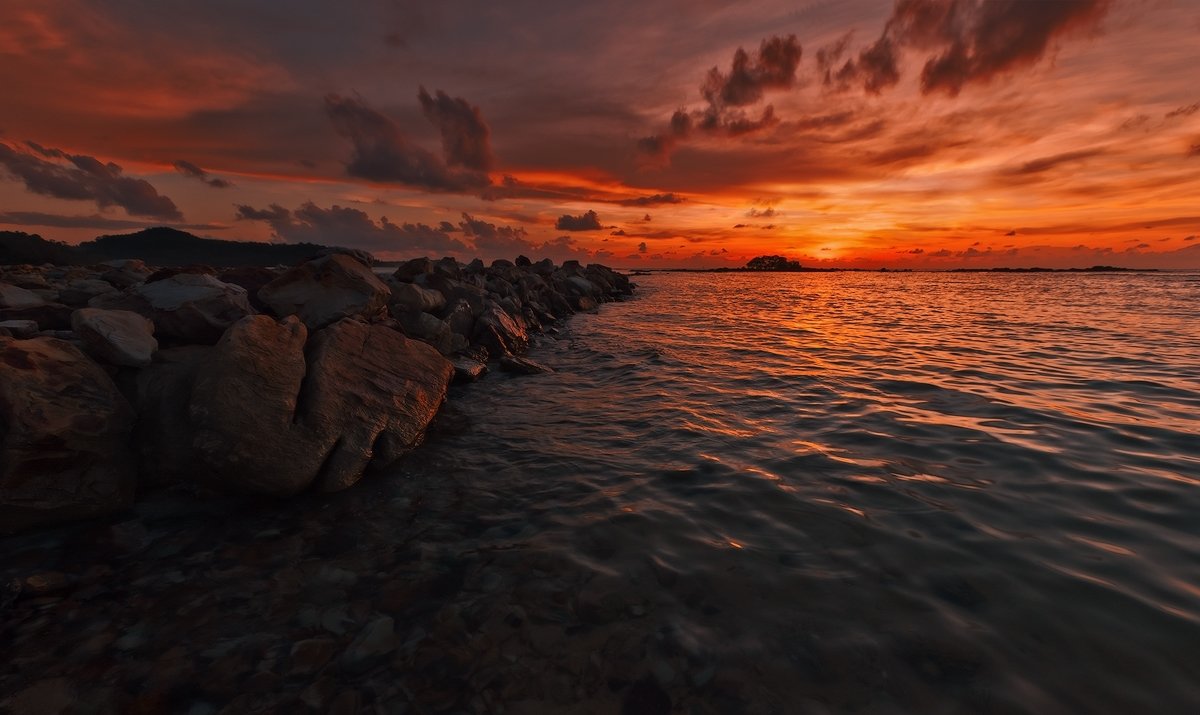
325, 290
266, 421
186, 307
117, 337
411, 297
243, 410
412, 268
497, 331
429, 329
64, 436
376, 391
48, 316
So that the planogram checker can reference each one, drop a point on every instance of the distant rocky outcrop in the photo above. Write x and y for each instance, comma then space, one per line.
267, 381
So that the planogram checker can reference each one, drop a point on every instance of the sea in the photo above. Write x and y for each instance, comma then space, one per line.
736, 493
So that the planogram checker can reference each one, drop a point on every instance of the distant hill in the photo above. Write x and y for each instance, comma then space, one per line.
156, 246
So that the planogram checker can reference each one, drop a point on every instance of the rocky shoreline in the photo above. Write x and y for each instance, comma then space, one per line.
120, 379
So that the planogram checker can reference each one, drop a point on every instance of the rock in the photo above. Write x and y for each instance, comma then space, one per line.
357, 254
376, 640
412, 297
48, 316
199, 269
578, 285
188, 307
449, 268
325, 290
64, 432
126, 264
468, 370
117, 337
12, 297
375, 391
646, 697
20, 328
252, 278
499, 333
163, 435
429, 329
309, 656
77, 293
243, 410
267, 422
523, 366
460, 318
409, 270
523, 262
585, 303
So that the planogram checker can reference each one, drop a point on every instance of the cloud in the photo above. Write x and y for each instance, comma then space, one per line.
773, 66
966, 41
381, 153
763, 213
1194, 150
642, 247
351, 227
589, 221
466, 140
96, 221
653, 200
1183, 111
917, 251
1047, 163
52, 172
187, 168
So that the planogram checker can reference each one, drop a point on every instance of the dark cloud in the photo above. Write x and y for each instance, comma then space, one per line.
1183, 111
1047, 163
772, 67
768, 212
381, 153
1011, 233
1194, 150
653, 200
466, 140
966, 41
828, 57
1189, 238
189, 169
618, 232
344, 226
52, 172
96, 221
642, 247
589, 221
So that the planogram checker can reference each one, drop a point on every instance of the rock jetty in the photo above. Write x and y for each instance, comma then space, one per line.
119, 378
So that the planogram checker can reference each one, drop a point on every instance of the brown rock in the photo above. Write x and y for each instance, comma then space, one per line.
64, 432
243, 409
325, 290
375, 391
189, 307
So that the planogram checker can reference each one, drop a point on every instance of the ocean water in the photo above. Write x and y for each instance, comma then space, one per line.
791, 493
878, 493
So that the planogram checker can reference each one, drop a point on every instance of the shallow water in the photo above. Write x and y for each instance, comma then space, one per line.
848, 492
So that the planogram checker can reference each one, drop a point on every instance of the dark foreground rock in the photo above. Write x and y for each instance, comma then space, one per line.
64, 432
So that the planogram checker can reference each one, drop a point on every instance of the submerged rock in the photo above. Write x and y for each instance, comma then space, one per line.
64, 431
523, 366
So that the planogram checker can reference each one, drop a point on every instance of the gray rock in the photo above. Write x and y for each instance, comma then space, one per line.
188, 307
117, 337
78, 292
411, 297
18, 298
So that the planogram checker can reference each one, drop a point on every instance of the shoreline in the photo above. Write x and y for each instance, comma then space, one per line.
121, 379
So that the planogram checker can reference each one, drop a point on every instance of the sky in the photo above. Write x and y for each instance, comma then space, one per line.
648, 133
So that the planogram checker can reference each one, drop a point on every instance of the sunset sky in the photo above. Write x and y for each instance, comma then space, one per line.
651, 133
